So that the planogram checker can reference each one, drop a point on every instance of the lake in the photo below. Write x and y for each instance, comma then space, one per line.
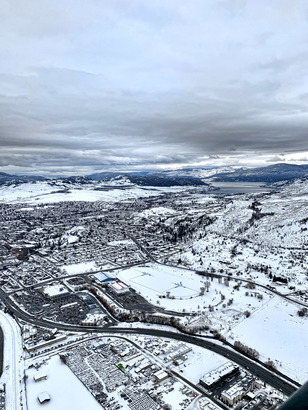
229, 188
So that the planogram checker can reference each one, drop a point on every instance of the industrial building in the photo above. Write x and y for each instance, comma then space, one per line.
212, 379
54, 292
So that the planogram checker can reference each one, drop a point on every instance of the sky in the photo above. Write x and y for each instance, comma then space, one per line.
88, 86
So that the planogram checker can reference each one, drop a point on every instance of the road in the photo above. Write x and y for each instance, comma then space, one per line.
277, 380
1, 350
12, 355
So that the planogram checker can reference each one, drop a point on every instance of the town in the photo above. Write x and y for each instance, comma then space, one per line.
122, 295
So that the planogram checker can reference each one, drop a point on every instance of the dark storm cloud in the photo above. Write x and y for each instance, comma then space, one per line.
129, 83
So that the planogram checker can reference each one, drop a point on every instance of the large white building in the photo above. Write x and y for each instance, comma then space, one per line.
55, 291
119, 287
211, 379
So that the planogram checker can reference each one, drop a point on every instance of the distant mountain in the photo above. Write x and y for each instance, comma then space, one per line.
19, 179
110, 178
167, 178
149, 179
104, 176
198, 172
269, 174
76, 180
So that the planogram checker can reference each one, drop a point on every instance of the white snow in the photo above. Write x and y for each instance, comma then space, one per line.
200, 361
157, 211
13, 363
181, 290
77, 268
278, 333
44, 193
64, 388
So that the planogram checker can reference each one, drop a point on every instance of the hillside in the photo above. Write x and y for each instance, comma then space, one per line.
269, 174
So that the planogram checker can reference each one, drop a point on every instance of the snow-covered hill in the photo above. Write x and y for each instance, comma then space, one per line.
60, 191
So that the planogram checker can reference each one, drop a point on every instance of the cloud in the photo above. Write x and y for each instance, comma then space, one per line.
276, 159
103, 84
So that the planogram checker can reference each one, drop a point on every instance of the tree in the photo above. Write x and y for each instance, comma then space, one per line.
63, 358
270, 365
248, 351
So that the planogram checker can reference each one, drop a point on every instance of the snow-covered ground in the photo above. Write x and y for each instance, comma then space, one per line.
272, 327
155, 280
157, 211
179, 290
13, 363
65, 390
199, 362
278, 333
79, 267
240, 242
44, 193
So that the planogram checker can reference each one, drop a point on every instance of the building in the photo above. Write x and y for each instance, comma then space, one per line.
39, 377
180, 360
236, 392
55, 291
206, 404
30, 347
161, 375
212, 379
104, 278
43, 397
119, 288
179, 351
93, 319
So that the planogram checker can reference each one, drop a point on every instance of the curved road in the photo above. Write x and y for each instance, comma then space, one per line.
277, 380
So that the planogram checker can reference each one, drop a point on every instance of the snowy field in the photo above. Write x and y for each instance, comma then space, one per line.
200, 361
155, 280
43, 193
157, 211
273, 326
64, 388
79, 267
277, 332
169, 286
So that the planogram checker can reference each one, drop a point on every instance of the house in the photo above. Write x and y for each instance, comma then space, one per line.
43, 397
39, 377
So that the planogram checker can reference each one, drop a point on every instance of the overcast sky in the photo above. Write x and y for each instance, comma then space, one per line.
88, 85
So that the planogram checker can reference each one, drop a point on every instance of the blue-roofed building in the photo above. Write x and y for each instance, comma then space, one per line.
104, 277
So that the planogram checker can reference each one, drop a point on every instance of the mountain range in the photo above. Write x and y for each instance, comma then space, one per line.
180, 177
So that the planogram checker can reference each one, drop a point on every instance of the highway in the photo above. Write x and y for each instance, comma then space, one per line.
277, 380
12, 372
1, 350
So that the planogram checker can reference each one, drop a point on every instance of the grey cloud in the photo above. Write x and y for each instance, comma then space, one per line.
276, 159
111, 83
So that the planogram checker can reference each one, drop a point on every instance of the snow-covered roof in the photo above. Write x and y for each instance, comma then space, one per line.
42, 397
39, 376
104, 276
119, 287
55, 290
161, 375
213, 376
